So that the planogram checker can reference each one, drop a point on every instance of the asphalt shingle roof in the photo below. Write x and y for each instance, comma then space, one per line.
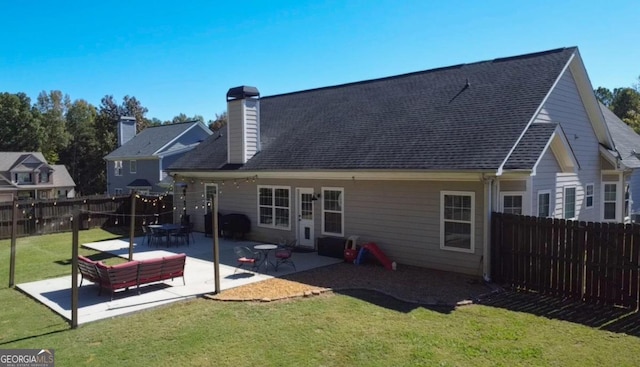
149, 140
530, 146
626, 141
464, 117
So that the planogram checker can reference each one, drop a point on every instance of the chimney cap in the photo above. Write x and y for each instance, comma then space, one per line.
242, 92
127, 118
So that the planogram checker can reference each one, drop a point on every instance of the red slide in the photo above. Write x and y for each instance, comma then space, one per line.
375, 251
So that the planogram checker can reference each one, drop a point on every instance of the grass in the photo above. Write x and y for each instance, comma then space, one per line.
328, 330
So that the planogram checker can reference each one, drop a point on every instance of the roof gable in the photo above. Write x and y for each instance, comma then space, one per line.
150, 141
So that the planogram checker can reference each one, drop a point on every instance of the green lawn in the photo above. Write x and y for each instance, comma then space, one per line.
338, 330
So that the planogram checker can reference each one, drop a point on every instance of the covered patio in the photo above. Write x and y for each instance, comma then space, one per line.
55, 293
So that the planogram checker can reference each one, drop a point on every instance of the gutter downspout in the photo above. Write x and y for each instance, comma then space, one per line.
486, 249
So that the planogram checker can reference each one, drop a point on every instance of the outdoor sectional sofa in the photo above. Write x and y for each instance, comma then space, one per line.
132, 273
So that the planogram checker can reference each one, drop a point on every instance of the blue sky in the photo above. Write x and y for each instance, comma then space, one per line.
182, 57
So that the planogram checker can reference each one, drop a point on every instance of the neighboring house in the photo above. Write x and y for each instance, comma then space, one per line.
140, 161
625, 157
27, 175
415, 163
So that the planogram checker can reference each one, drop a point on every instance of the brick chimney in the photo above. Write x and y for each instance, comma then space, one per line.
126, 129
243, 124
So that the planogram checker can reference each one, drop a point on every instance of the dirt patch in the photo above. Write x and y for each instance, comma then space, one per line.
408, 283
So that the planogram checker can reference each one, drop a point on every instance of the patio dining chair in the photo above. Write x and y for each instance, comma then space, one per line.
284, 253
183, 234
246, 256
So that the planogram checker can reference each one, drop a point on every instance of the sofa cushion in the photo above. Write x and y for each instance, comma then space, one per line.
173, 266
150, 270
119, 276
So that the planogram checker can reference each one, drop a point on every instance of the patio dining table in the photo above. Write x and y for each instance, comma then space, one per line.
166, 230
265, 249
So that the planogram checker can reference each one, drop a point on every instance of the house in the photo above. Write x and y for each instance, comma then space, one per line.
27, 175
140, 161
417, 162
625, 157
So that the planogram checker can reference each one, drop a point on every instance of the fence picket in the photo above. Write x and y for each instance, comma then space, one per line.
596, 262
52, 216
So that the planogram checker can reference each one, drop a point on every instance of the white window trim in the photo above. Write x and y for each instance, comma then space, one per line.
133, 166
522, 195
472, 246
206, 207
564, 202
617, 201
341, 189
593, 195
117, 168
543, 192
273, 206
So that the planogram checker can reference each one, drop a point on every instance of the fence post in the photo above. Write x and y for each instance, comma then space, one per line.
14, 235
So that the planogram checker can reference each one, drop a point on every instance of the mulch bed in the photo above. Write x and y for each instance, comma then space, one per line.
408, 283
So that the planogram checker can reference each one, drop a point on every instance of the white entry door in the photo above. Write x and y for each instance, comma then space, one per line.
305, 217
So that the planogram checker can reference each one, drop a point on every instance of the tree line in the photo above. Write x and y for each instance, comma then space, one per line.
624, 102
75, 133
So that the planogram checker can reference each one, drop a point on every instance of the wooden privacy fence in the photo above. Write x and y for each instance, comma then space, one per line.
37, 217
594, 262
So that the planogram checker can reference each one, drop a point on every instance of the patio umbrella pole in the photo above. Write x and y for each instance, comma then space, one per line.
216, 244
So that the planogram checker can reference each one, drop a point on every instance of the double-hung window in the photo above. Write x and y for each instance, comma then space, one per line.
457, 221
588, 195
512, 203
544, 204
133, 166
333, 211
609, 199
274, 207
569, 203
117, 168
44, 176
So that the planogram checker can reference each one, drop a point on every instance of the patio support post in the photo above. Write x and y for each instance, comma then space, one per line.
132, 225
14, 235
216, 243
74, 267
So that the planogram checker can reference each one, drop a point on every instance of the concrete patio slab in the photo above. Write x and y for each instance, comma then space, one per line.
198, 280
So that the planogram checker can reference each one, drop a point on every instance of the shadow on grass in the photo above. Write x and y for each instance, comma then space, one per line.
614, 319
382, 300
33, 336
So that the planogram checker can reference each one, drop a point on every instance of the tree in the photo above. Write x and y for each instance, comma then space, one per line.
184, 118
219, 122
19, 129
624, 102
604, 95
82, 156
52, 108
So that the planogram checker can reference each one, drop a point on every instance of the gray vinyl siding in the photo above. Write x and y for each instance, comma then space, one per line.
513, 185
235, 127
146, 168
251, 128
402, 218
634, 183
565, 107
545, 179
